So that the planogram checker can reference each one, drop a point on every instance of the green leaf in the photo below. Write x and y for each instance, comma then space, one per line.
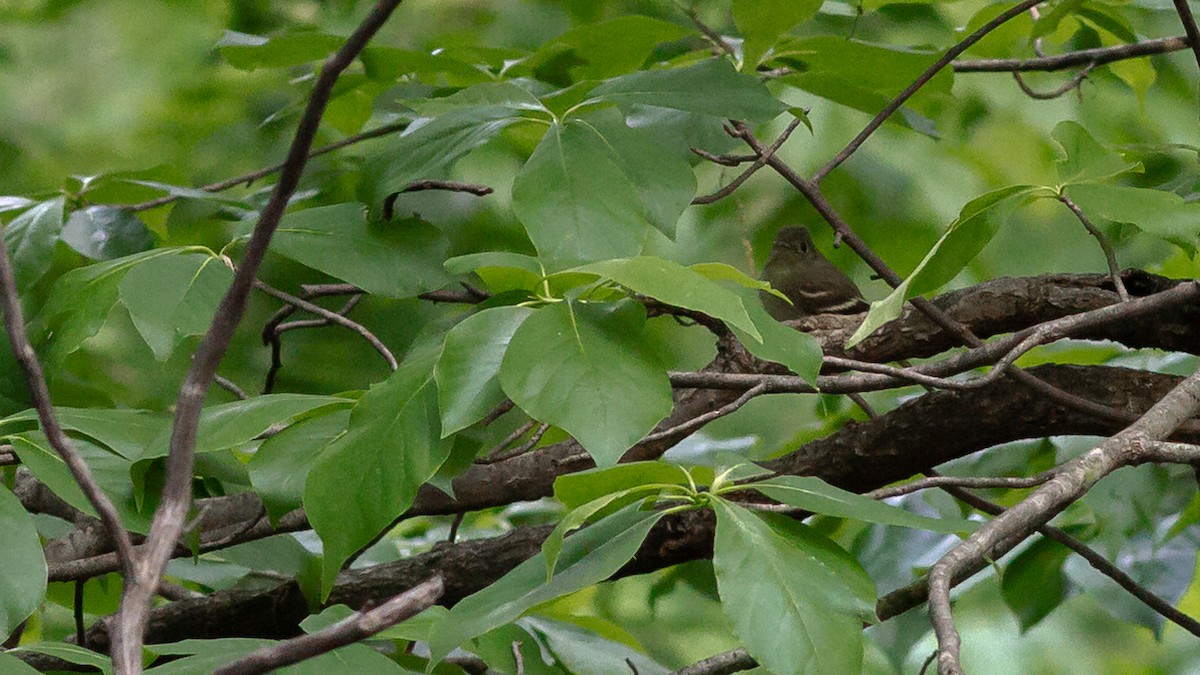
391, 446
228, 425
1164, 214
723, 272
396, 259
600, 50
428, 147
800, 352
796, 600
1033, 583
711, 87
588, 557
23, 583
106, 233
388, 64
763, 21
173, 297
676, 285
859, 74
577, 517
813, 494
80, 300
280, 466
30, 239
505, 94
585, 368
593, 185
1085, 160
67, 652
576, 489
248, 52
466, 373
124, 431
977, 223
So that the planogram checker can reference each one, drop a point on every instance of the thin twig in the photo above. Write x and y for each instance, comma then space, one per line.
273, 335
711, 35
35, 381
1097, 561
389, 202
911, 89
248, 178
518, 658
759, 163
230, 386
509, 440
1099, 56
1114, 270
725, 160
519, 450
332, 317
1189, 27
939, 481
130, 624
354, 628
1074, 83
682, 430
732, 661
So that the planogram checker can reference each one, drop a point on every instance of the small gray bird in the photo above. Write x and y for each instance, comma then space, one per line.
814, 285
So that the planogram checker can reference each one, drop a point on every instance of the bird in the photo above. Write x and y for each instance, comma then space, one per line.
796, 268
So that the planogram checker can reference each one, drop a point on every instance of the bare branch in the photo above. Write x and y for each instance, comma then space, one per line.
169, 518
911, 89
359, 626
1189, 27
1074, 83
255, 175
732, 661
1097, 561
35, 380
1114, 270
759, 163
1098, 56
331, 317
938, 481
1073, 480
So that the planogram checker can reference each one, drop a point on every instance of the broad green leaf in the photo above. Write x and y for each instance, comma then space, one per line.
847, 71
397, 259
600, 50
67, 652
248, 52
576, 489
391, 446
588, 557
23, 583
813, 494
711, 87
106, 233
206, 656
388, 64
592, 187
763, 21
173, 297
506, 94
796, 600
582, 650
1033, 583
723, 272
30, 239
1164, 214
676, 285
585, 368
1084, 159
428, 147
227, 425
800, 352
577, 517
110, 470
466, 373
281, 464
975, 226
80, 300
126, 432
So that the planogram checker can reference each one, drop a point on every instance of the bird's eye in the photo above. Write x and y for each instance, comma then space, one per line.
803, 247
